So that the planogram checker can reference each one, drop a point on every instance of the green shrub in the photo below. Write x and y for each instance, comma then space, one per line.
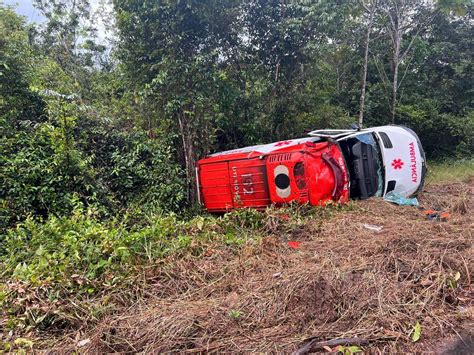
142, 174
441, 134
88, 259
38, 181
43, 172
48, 166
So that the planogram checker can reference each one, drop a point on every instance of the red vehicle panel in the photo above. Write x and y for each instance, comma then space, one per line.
249, 183
215, 187
298, 170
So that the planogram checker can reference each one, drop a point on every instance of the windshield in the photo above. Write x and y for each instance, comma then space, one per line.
363, 158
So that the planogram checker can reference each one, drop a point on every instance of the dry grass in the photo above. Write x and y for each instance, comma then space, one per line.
344, 281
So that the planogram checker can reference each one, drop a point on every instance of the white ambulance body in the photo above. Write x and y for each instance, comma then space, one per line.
381, 159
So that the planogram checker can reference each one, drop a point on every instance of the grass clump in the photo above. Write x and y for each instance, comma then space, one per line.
450, 171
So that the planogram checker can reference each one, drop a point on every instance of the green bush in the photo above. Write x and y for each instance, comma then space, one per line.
47, 167
37, 180
85, 257
441, 134
54, 250
142, 174
43, 171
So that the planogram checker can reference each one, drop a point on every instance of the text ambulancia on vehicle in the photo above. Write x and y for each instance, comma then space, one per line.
329, 165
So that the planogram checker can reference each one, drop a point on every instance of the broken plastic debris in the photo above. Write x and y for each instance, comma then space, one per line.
444, 216
294, 245
373, 227
400, 200
83, 342
437, 215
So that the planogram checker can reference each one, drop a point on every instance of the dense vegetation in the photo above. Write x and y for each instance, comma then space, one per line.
99, 137
118, 124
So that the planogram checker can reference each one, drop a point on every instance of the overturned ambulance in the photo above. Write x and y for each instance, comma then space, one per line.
328, 165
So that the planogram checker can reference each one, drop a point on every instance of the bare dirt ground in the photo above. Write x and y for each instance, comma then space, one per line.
341, 281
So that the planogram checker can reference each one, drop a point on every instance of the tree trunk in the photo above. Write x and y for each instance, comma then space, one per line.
393, 105
189, 157
364, 71
395, 64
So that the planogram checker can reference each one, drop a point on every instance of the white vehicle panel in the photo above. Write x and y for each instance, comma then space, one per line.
404, 162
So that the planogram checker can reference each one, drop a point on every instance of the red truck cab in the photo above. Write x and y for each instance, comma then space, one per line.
305, 170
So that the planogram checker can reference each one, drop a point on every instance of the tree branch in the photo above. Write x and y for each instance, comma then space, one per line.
404, 73
314, 345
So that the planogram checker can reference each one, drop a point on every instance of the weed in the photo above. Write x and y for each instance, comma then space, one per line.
235, 314
349, 350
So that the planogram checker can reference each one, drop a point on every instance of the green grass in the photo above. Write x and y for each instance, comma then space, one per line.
450, 171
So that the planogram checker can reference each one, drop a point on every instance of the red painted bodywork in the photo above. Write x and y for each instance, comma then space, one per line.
316, 174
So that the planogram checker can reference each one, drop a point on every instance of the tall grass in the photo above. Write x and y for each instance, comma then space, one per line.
450, 171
